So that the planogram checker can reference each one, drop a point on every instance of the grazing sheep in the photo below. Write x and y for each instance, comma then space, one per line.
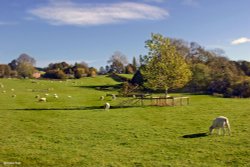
220, 122
113, 96
42, 99
46, 94
69, 96
3, 91
12, 90
56, 96
106, 106
102, 98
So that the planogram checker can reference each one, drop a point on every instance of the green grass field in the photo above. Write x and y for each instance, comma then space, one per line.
77, 132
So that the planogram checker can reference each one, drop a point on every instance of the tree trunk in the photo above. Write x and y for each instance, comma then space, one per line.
166, 92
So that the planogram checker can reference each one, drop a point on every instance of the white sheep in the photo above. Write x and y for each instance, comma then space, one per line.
69, 96
106, 106
56, 96
220, 122
42, 99
12, 90
102, 98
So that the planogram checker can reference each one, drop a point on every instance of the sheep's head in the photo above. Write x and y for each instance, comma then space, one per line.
211, 129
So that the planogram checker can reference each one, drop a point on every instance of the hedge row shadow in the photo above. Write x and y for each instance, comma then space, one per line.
75, 108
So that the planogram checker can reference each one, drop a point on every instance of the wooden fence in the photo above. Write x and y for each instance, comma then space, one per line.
165, 101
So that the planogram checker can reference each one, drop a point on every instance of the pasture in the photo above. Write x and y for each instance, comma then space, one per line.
73, 129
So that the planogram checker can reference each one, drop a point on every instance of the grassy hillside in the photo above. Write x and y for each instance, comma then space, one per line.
75, 131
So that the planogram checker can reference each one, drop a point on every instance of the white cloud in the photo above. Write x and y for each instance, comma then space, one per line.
240, 41
69, 13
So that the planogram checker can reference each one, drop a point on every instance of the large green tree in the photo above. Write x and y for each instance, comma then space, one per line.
165, 67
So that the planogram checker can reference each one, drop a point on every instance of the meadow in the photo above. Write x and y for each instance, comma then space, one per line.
74, 130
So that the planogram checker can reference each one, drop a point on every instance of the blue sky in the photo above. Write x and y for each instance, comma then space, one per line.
92, 30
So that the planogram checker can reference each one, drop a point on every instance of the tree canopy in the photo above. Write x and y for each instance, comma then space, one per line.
165, 67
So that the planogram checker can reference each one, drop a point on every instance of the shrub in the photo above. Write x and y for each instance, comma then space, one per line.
228, 93
55, 74
78, 74
242, 89
138, 79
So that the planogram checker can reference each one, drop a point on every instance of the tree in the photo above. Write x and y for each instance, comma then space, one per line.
138, 79
78, 73
5, 70
182, 47
92, 72
118, 62
107, 68
201, 77
13, 64
130, 69
25, 65
244, 66
102, 70
55, 74
224, 74
166, 68
58, 66
83, 65
134, 63
25, 58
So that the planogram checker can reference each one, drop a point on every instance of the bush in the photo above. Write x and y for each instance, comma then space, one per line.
78, 74
221, 85
242, 89
55, 74
138, 79
228, 93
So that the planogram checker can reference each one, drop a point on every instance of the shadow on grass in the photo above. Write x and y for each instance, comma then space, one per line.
196, 135
104, 87
75, 108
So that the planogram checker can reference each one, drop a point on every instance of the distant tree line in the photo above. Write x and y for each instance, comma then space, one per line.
171, 64
211, 71
24, 67
64, 70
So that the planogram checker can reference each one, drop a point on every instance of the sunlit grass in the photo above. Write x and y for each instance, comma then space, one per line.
64, 132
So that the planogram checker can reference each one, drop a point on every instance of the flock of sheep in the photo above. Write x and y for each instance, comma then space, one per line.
219, 123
